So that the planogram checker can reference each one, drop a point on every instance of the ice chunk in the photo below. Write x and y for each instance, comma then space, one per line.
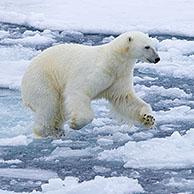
145, 78
15, 141
31, 41
54, 184
183, 47
180, 113
107, 39
100, 185
16, 161
120, 137
11, 75
169, 127
103, 141
16, 53
98, 122
3, 34
111, 129
101, 169
160, 90
14, 61
64, 152
60, 141
181, 183
72, 36
175, 151
34, 174
142, 135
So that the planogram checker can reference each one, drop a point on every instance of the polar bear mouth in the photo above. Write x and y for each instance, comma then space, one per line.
150, 61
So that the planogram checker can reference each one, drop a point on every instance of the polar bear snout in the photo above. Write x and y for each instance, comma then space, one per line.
153, 60
151, 56
157, 60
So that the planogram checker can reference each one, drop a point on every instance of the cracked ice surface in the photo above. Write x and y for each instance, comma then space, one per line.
135, 159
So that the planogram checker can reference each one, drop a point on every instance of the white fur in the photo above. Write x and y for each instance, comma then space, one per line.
61, 82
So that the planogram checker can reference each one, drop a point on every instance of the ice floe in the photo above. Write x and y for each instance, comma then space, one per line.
15, 141
175, 151
162, 17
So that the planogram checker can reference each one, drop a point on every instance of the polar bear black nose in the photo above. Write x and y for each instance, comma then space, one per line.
157, 60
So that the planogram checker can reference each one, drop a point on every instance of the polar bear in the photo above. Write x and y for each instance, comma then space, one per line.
61, 82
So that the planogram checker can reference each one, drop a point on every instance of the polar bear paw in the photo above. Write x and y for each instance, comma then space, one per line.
73, 124
44, 133
148, 120
77, 123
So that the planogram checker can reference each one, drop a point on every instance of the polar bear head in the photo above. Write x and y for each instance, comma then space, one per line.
137, 45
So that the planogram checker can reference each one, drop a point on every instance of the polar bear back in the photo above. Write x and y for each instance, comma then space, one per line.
67, 60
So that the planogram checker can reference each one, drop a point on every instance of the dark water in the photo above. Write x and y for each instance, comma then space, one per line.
33, 155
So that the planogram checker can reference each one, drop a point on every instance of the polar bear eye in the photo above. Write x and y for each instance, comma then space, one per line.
147, 47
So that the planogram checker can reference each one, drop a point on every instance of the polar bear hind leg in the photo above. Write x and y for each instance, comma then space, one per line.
49, 118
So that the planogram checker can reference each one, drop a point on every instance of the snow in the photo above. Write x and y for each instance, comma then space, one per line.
183, 47
181, 183
102, 16
63, 152
171, 152
179, 113
142, 135
16, 161
105, 141
102, 185
14, 61
33, 174
15, 141
101, 169
11, 73
3, 34
35, 40
113, 185
156, 90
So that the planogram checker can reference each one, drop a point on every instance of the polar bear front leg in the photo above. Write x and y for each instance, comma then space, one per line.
78, 109
140, 111
133, 109
127, 104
